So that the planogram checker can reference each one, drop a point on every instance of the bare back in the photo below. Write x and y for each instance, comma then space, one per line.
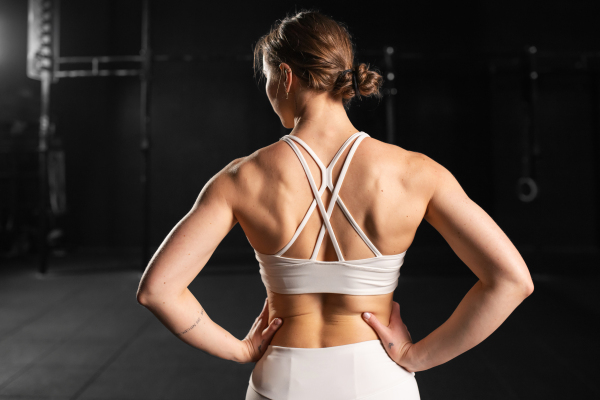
386, 190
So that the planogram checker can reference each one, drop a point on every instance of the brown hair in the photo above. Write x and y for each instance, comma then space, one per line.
318, 49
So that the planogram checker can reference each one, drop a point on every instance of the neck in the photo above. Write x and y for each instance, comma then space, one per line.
320, 116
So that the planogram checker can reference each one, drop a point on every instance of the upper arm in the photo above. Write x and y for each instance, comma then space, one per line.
190, 244
471, 232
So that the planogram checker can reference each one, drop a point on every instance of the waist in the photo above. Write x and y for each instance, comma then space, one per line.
316, 320
310, 331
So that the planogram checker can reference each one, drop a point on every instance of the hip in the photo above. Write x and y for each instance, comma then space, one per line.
355, 371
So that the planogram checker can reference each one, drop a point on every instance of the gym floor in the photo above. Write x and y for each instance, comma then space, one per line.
78, 333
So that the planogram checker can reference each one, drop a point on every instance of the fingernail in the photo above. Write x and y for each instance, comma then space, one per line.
277, 321
367, 315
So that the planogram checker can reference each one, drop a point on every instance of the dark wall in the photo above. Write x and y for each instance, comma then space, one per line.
204, 114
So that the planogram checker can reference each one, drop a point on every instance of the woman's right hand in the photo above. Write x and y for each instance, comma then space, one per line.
395, 337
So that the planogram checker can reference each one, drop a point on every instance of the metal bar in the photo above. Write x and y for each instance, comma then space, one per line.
390, 102
374, 53
48, 65
145, 88
46, 82
491, 54
492, 207
202, 57
527, 188
100, 72
55, 38
100, 59
595, 97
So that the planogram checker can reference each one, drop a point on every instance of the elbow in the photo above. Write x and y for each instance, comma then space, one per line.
148, 296
521, 282
142, 298
523, 287
517, 287
147, 292
142, 293
145, 295
528, 287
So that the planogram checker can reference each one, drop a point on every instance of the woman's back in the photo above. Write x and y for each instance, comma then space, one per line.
385, 189
333, 296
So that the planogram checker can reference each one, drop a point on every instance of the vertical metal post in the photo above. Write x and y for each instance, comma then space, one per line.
527, 188
390, 102
595, 97
533, 139
42, 55
46, 81
146, 54
55, 39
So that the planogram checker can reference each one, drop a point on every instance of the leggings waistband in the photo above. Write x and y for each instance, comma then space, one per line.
352, 347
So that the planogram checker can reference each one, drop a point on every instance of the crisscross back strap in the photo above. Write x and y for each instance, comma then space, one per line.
335, 198
327, 181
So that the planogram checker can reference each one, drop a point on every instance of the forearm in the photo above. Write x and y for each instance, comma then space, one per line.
481, 312
186, 319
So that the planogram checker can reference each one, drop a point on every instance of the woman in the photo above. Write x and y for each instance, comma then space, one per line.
329, 328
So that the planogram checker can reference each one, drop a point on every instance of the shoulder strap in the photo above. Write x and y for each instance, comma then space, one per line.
317, 196
335, 198
327, 181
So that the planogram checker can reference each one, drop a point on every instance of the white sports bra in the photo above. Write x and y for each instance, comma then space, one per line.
369, 276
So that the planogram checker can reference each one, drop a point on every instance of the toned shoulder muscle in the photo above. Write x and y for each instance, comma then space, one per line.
471, 232
247, 178
415, 172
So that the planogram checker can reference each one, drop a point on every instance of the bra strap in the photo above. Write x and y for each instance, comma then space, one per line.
325, 182
336, 192
317, 196
357, 228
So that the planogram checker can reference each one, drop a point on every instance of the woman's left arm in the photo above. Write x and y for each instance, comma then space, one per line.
164, 285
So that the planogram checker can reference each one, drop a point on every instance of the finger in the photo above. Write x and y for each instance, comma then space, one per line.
380, 329
268, 333
262, 323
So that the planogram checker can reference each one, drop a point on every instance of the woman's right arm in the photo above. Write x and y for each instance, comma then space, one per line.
504, 280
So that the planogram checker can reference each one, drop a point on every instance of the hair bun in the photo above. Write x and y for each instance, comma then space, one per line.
369, 82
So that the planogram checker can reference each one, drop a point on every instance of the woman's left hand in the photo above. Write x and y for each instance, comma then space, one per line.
255, 343
394, 337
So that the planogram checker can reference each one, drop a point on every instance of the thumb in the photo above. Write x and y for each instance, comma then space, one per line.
268, 333
381, 330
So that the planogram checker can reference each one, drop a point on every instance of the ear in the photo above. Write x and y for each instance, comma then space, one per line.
286, 70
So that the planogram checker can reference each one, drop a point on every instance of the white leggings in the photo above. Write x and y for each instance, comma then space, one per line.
359, 371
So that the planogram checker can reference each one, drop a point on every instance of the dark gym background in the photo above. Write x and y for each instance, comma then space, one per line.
76, 331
